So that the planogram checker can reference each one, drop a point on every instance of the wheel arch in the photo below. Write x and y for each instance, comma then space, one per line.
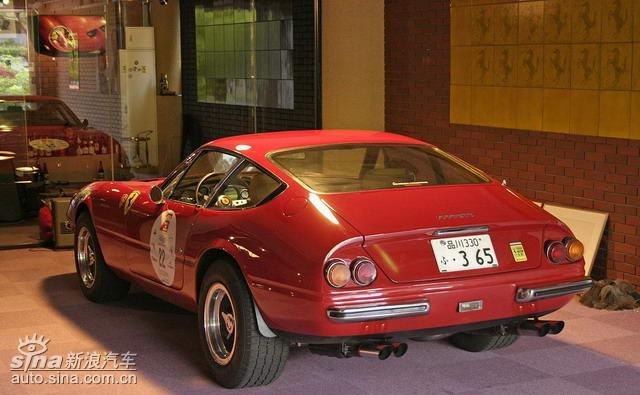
83, 207
207, 259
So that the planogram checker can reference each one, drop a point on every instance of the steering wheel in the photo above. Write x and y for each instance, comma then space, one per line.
198, 194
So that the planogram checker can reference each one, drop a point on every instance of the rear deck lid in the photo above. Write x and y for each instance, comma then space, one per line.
399, 226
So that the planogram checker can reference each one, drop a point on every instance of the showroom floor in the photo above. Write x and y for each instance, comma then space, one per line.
599, 352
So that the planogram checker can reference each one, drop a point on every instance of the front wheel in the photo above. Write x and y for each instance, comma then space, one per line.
97, 281
477, 342
237, 354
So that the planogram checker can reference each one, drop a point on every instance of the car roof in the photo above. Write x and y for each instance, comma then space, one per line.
257, 146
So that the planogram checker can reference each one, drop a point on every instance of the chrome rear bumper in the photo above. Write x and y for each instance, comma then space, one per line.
524, 295
368, 313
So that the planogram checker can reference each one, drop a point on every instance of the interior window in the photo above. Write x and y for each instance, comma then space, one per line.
36, 113
247, 187
210, 167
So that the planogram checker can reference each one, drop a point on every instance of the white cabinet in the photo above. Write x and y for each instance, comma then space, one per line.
138, 96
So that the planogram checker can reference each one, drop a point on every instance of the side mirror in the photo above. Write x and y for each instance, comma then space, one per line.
85, 123
155, 195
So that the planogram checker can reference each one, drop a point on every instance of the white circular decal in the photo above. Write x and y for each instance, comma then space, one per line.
163, 246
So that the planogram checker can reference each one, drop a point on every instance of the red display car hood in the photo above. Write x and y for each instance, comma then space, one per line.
399, 224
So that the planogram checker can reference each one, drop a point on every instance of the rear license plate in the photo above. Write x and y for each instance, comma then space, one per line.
464, 253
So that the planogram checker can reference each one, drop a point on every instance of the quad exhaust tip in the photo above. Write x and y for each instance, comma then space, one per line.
383, 350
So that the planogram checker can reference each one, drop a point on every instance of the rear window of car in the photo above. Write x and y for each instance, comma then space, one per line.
361, 167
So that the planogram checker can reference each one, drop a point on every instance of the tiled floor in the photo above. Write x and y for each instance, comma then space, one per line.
20, 233
599, 351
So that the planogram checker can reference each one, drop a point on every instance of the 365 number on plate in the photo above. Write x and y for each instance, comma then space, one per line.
464, 253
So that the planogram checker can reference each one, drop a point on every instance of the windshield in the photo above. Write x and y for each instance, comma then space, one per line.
36, 113
361, 167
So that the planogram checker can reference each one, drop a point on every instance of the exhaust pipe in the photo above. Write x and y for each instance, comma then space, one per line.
399, 349
540, 328
556, 327
380, 351
534, 328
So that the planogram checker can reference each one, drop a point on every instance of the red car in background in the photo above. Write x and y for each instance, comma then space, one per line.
36, 127
345, 241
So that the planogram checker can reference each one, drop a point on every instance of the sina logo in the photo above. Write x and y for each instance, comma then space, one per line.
32, 356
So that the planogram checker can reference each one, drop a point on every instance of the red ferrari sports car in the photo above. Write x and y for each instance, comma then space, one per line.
345, 241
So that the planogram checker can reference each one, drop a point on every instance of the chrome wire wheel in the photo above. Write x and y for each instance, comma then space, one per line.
220, 324
86, 257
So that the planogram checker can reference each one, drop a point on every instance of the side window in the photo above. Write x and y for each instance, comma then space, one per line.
168, 189
247, 187
214, 166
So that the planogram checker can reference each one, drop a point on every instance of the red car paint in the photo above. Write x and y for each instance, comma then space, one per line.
281, 246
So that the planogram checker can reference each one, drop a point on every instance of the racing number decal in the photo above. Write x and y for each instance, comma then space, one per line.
163, 247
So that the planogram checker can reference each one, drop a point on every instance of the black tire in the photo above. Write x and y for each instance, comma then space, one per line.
475, 342
106, 286
254, 360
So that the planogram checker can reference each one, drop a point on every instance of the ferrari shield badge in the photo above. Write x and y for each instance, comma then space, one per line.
517, 249
127, 201
163, 247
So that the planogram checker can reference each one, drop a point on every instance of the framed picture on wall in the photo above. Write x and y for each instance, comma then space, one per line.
64, 35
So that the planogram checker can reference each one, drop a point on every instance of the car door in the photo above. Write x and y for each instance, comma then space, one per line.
161, 231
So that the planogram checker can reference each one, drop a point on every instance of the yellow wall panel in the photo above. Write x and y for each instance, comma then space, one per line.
557, 21
585, 111
529, 109
530, 65
530, 22
461, 26
636, 21
557, 66
482, 65
636, 65
505, 65
616, 66
570, 66
460, 107
615, 114
461, 62
557, 110
585, 66
506, 31
505, 103
482, 25
634, 133
617, 22
482, 108
586, 20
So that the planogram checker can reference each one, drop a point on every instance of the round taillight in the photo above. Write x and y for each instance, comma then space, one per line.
575, 249
363, 271
556, 252
337, 273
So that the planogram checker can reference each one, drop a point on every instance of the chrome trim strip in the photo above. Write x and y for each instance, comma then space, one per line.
460, 231
524, 295
368, 313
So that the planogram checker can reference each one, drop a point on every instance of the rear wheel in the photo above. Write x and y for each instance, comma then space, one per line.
97, 282
237, 354
475, 342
